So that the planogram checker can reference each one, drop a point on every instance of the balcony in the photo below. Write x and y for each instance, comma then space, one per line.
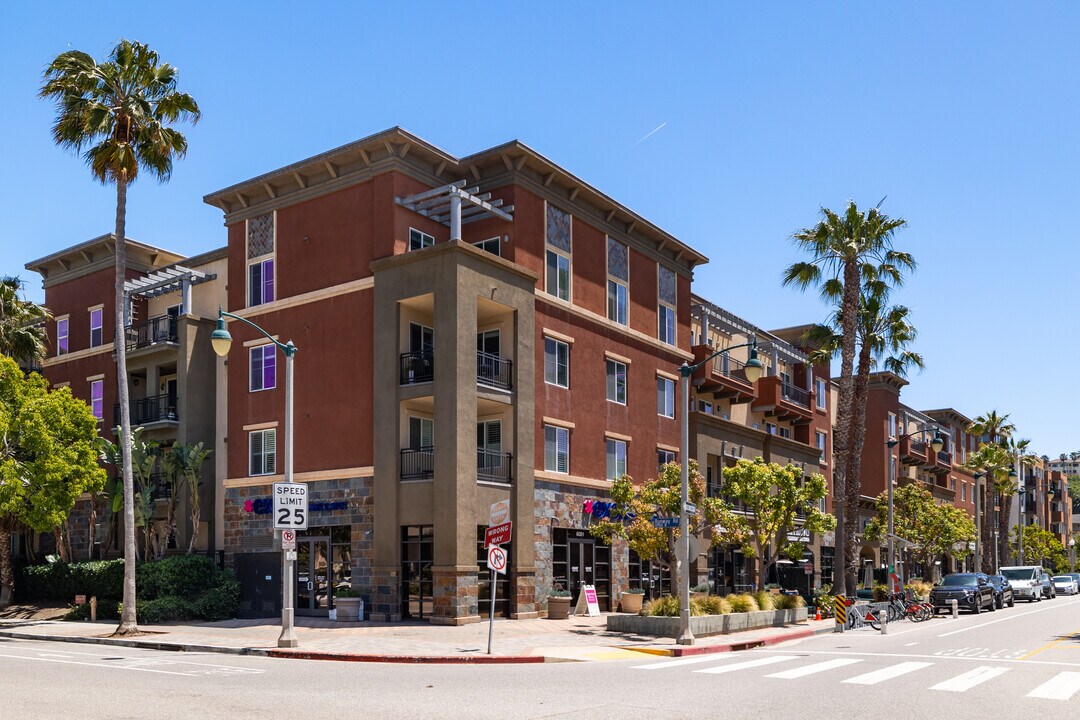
724, 376
942, 462
494, 371
150, 410
1030, 505
494, 466
155, 331
418, 463
783, 400
417, 367
912, 451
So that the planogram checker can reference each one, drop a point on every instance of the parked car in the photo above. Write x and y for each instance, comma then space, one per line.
1065, 584
1003, 592
1026, 581
972, 591
1047, 586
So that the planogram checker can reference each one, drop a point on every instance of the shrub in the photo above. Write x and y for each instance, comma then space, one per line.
920, 588
742, 603
164, 609
221, 602
666, 606
789, 602
186, 575
701, 587
765, 600
63, 581
713, 605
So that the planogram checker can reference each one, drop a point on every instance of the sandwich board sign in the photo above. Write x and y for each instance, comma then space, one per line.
587, 602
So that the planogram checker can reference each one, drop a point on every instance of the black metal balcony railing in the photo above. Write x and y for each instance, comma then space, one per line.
1029, 505
493, 466
417, 367
795, 394
418, 463
944, 457
158, 408
730, 367
154, 331
494, 371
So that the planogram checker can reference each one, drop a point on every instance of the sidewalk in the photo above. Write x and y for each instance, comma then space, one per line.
515, 641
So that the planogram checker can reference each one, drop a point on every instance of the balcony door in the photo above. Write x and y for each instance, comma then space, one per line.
421, 338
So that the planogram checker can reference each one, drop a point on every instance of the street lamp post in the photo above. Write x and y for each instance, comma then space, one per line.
935, 444
978, 519
1020, 529
221, 341
753, 370
1072, 554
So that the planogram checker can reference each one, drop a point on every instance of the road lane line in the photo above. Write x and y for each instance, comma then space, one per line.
968, 680
664, 664
1004, 619
815, 668
748, 664
1049, 645
808, 653
168, 658
97, 665
888, 673
1060, 687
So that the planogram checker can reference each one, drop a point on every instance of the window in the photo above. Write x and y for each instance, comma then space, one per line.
489, 436
420, 240
785, 432
559, 248
616, 382
705, 407
892, 425
666, 307
421, 432
618, 296
97, 398
263, 375
616, 459
770, 428
175, 310
260, 244
952, 484
663, 457
556, 449
556, 362
96, 319
491, 245
821, 444
262, 452
665, 397
62, 336
819, 388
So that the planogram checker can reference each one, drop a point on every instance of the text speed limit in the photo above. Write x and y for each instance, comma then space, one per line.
290, 506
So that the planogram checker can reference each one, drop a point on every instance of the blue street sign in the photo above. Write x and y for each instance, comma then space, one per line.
665, 522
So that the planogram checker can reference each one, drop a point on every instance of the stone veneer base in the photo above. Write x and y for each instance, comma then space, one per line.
705, 625
468, 620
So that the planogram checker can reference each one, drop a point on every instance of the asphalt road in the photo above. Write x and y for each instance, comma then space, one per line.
1020, 660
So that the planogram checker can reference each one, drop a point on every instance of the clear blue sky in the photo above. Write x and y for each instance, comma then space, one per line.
964, 114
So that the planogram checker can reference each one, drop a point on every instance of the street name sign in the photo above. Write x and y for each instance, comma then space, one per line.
665, 522
498, 534
290, 506
689, 507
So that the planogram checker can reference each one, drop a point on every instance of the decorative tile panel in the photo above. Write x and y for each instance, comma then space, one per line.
617, 260
558, 228
667, 286
260, 240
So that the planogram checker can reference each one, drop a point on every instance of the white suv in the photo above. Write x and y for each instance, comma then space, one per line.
1026, 581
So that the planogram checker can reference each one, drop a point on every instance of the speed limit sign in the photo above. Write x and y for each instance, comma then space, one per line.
497, 559
290, 506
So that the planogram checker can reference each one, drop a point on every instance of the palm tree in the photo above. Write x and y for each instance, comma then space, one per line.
993, 429
995, 461
1020, 450
22, 324
117, 114
843, 250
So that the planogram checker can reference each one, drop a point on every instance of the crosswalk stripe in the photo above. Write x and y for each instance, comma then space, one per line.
1060, 687
968, 680
815, 668
873, 678
664, 664
769, 660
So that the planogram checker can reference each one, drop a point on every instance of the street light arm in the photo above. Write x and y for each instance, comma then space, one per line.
688, 370
288, 348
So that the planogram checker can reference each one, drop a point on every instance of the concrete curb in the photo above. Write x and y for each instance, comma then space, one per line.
733, 646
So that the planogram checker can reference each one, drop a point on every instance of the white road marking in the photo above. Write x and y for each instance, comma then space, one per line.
807, 653
97, 665
1011, 616
968, 680
815, 668
1060, 687
746, 665
663, 665
167, 659
888, 673
910, 644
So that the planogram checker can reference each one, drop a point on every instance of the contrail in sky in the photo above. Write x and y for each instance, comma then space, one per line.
648, 135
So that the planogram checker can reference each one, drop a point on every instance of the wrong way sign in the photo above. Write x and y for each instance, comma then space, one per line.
498, 534
496, 560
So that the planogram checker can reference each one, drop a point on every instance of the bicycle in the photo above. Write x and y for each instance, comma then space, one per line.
860, 615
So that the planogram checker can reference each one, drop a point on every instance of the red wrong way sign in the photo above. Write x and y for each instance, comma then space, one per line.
498, 534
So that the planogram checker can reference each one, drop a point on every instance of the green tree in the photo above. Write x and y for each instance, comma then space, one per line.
634, 508
994, 461
22, 324
932, 529
1042, 547
183, 465
774, 500
48, 459
119, 114
1072, 487
843, 250
993, 429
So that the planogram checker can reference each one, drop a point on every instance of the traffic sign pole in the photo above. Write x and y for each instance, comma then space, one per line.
491, 617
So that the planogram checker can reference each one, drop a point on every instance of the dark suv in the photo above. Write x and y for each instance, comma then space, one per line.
972, 591
1003, 592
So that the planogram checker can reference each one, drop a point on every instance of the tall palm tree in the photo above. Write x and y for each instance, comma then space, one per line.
22, 324
993, 429
994, 460
118, 114
843, 249
1020, 450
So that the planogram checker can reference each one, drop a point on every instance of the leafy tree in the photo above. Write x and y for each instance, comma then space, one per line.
118, 114
1072, 487
772, 498
183, 464
144, 455
841, 249
22, 324
1042, 546
933, 529
48, 459
634, 508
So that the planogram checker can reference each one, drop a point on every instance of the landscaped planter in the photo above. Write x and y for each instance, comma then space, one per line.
704, 625
558, 608
348, 609
631, 602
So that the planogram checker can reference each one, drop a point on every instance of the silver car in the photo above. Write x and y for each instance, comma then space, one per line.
1065, 584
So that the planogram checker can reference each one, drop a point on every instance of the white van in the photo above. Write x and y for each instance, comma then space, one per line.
1025, 580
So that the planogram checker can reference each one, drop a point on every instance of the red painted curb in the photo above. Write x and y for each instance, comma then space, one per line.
409, 659
738, 646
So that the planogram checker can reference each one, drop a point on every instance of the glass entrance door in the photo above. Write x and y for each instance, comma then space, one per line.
313, 576
578, 560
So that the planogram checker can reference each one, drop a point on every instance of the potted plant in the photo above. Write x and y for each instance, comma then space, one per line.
558, 603
347, 602
630, 600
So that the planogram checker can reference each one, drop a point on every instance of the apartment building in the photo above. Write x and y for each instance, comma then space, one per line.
783, 417
469, 330
172, 303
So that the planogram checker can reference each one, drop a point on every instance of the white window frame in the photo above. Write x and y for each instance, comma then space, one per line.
667, 457
422, 423
100, 312
418, 240
268, 468
100, 412
665, 397
615, 452
66, 321
251, 358
892, 427
486, 245
770, 428
618, 301
260, 260
566, 352
822, 440
665, 333
820, 386
556, 433
610, 367
561, 257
